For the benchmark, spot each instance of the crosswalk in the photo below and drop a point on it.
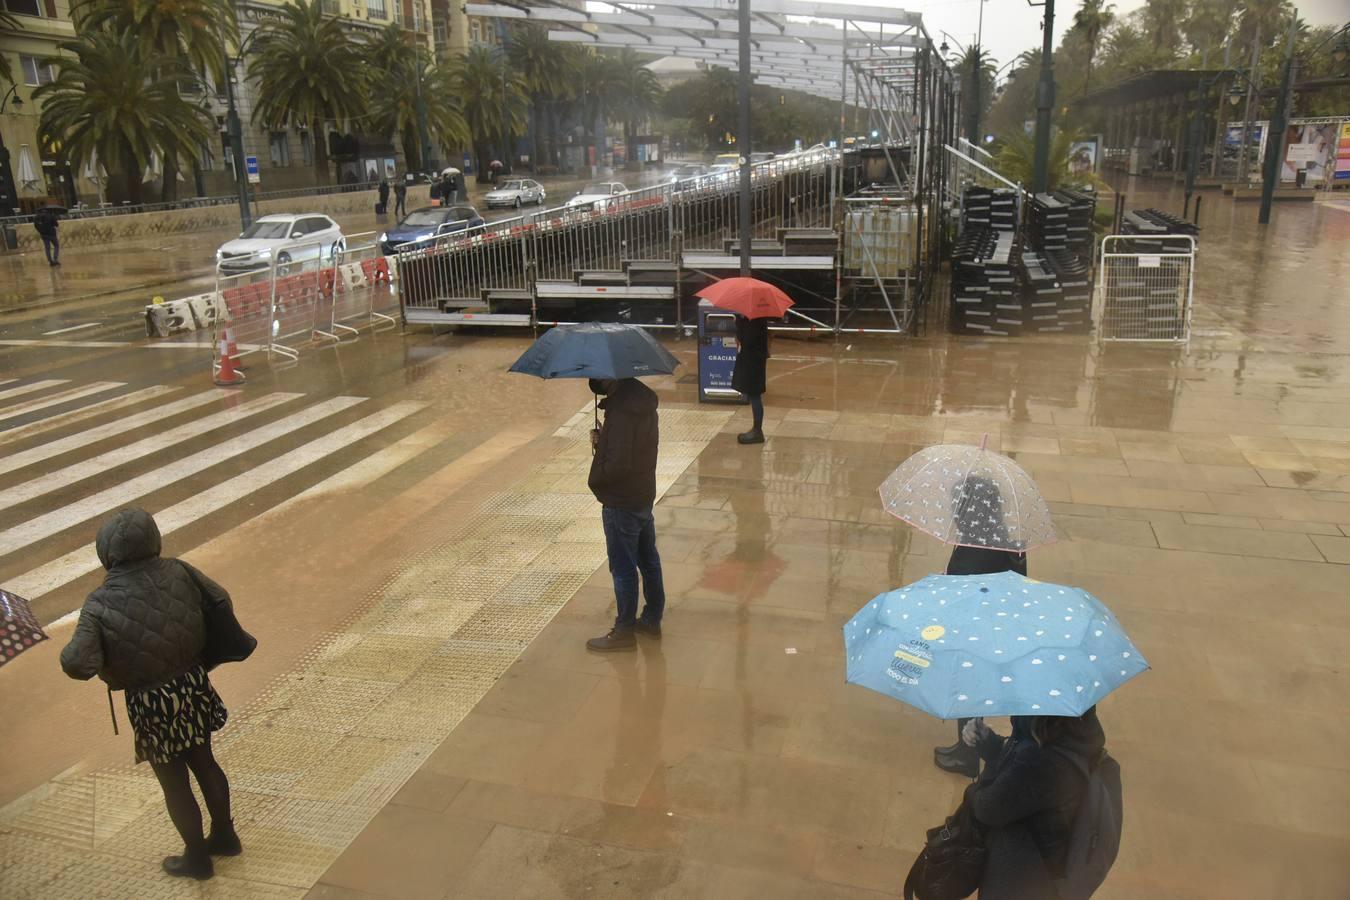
(70, 454)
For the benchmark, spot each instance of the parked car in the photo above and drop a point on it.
(596, 195)
(281, 239)
(429, 221)
(516, 192)
(760, 156)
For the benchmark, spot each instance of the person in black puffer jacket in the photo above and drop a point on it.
(623, 479)
(143, 631)
(1027, 799)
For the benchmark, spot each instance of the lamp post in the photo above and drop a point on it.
(743, 143)
(9, 194)
(1045, 101)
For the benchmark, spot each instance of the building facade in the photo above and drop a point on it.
(37, 28)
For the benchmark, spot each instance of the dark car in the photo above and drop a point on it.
(429, 221)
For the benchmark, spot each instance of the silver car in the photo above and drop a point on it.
(516, 192)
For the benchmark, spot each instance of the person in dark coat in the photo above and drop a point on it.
(1028, 799)
(977, 502)
(751, 372)
(400, 198)
(46, 223)
(623, 479)
(436, 189)
(384, 196)
(143, 631)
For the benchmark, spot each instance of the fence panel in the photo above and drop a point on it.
(456, 270)
(246, 311)
(1145, 296)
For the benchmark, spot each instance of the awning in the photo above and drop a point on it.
(1156, 85)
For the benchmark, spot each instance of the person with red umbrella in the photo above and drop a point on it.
(755, 303)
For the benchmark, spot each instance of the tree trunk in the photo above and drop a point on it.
(628, 132)
(554, 139)
(320, 139)
(480, 150)
(168, 191)
(536, 116)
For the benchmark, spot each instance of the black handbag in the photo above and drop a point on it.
(951, 863)
(226, 639)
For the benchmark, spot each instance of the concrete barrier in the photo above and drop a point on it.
(187, 314)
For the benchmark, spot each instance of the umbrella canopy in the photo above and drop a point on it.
(990, 645)
(28, 174)
(450, 170)
(602, 350)
(19, 628)
(967, 495)
(750, 297)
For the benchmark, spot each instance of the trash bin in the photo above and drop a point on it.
(1300, 178)
(11, 238)
(716, 355)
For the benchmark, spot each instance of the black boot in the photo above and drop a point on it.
(964, 761)
(194, 863)
(224, 840)
(753, 436)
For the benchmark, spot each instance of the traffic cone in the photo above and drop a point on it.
(228, 374)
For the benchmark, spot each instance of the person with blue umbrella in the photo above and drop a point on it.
(623, 465)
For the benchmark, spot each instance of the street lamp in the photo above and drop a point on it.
(9, 194)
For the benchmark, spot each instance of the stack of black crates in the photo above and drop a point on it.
(1147, 296)
(1039, 284)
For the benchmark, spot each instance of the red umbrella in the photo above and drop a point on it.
(19, 628)
(750, 297)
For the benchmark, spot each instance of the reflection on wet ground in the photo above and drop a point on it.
(1203, 493)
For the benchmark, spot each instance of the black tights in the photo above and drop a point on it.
(182, 805)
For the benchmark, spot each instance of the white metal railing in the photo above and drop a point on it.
(1145, 296)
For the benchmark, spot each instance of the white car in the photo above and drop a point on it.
(597, 194)
(282, 239)
(516, 192)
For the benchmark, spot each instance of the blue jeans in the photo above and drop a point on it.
(51, 246)
(630, 540)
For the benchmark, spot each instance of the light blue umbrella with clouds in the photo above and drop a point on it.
(990, 645)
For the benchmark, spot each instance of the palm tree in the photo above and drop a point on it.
(597, 80)
(190, 33)
(547, 69)
(637, 94)
(111, 98)
(1208, 24)
(493, 100)
(309, 70)
(1017, 152)
(1164, 19)
(1092, 18)
(402, 77)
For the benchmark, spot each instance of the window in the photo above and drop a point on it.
(35, 72)
(376, 9)
(25, 7)
(306, 148)
(475, 32)
(280, 148)
(205, 158)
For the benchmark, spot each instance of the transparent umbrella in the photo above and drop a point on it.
(971, 496)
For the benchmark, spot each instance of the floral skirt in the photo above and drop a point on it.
(171, 718)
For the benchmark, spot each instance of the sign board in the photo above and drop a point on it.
(251, 167)
(1343, 154)
(1302, 153)
(1150, 262)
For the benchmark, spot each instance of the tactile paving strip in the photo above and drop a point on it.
(322, 748)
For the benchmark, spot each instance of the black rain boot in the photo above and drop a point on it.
(965, 761)
(753, 436)
(224, 841)
(194, 863)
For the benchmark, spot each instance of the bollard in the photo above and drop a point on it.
(1196, 220)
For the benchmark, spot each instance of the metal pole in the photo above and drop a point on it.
(236, 133)
(1244, 169)
(1193, 149)
(1045, 103)
(423, 133)
(977, 65)
(9, 192)
(743, 142)
(1275, 142)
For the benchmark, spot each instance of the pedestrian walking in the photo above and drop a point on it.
(979, 498)
(401, 199)
(436, 189)
(152, 629)
(384, 197)
(46, 223)
(1029, 801)
(751, 372)
(623, 479)
(452, 188)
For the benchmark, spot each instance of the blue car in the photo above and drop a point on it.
(429, 221)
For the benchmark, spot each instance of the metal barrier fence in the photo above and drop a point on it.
(1145, 296)
(603, 235)
(792, 191)
(458, 269)
(357, 291)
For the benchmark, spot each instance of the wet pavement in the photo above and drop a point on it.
(422, 719)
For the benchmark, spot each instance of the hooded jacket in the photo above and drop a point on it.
(623, 470)
(146, 623)
(1028, 798)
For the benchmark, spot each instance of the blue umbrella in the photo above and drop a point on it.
(602, 350)
(990, 645)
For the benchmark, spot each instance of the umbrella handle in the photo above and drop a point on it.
(595, 410)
